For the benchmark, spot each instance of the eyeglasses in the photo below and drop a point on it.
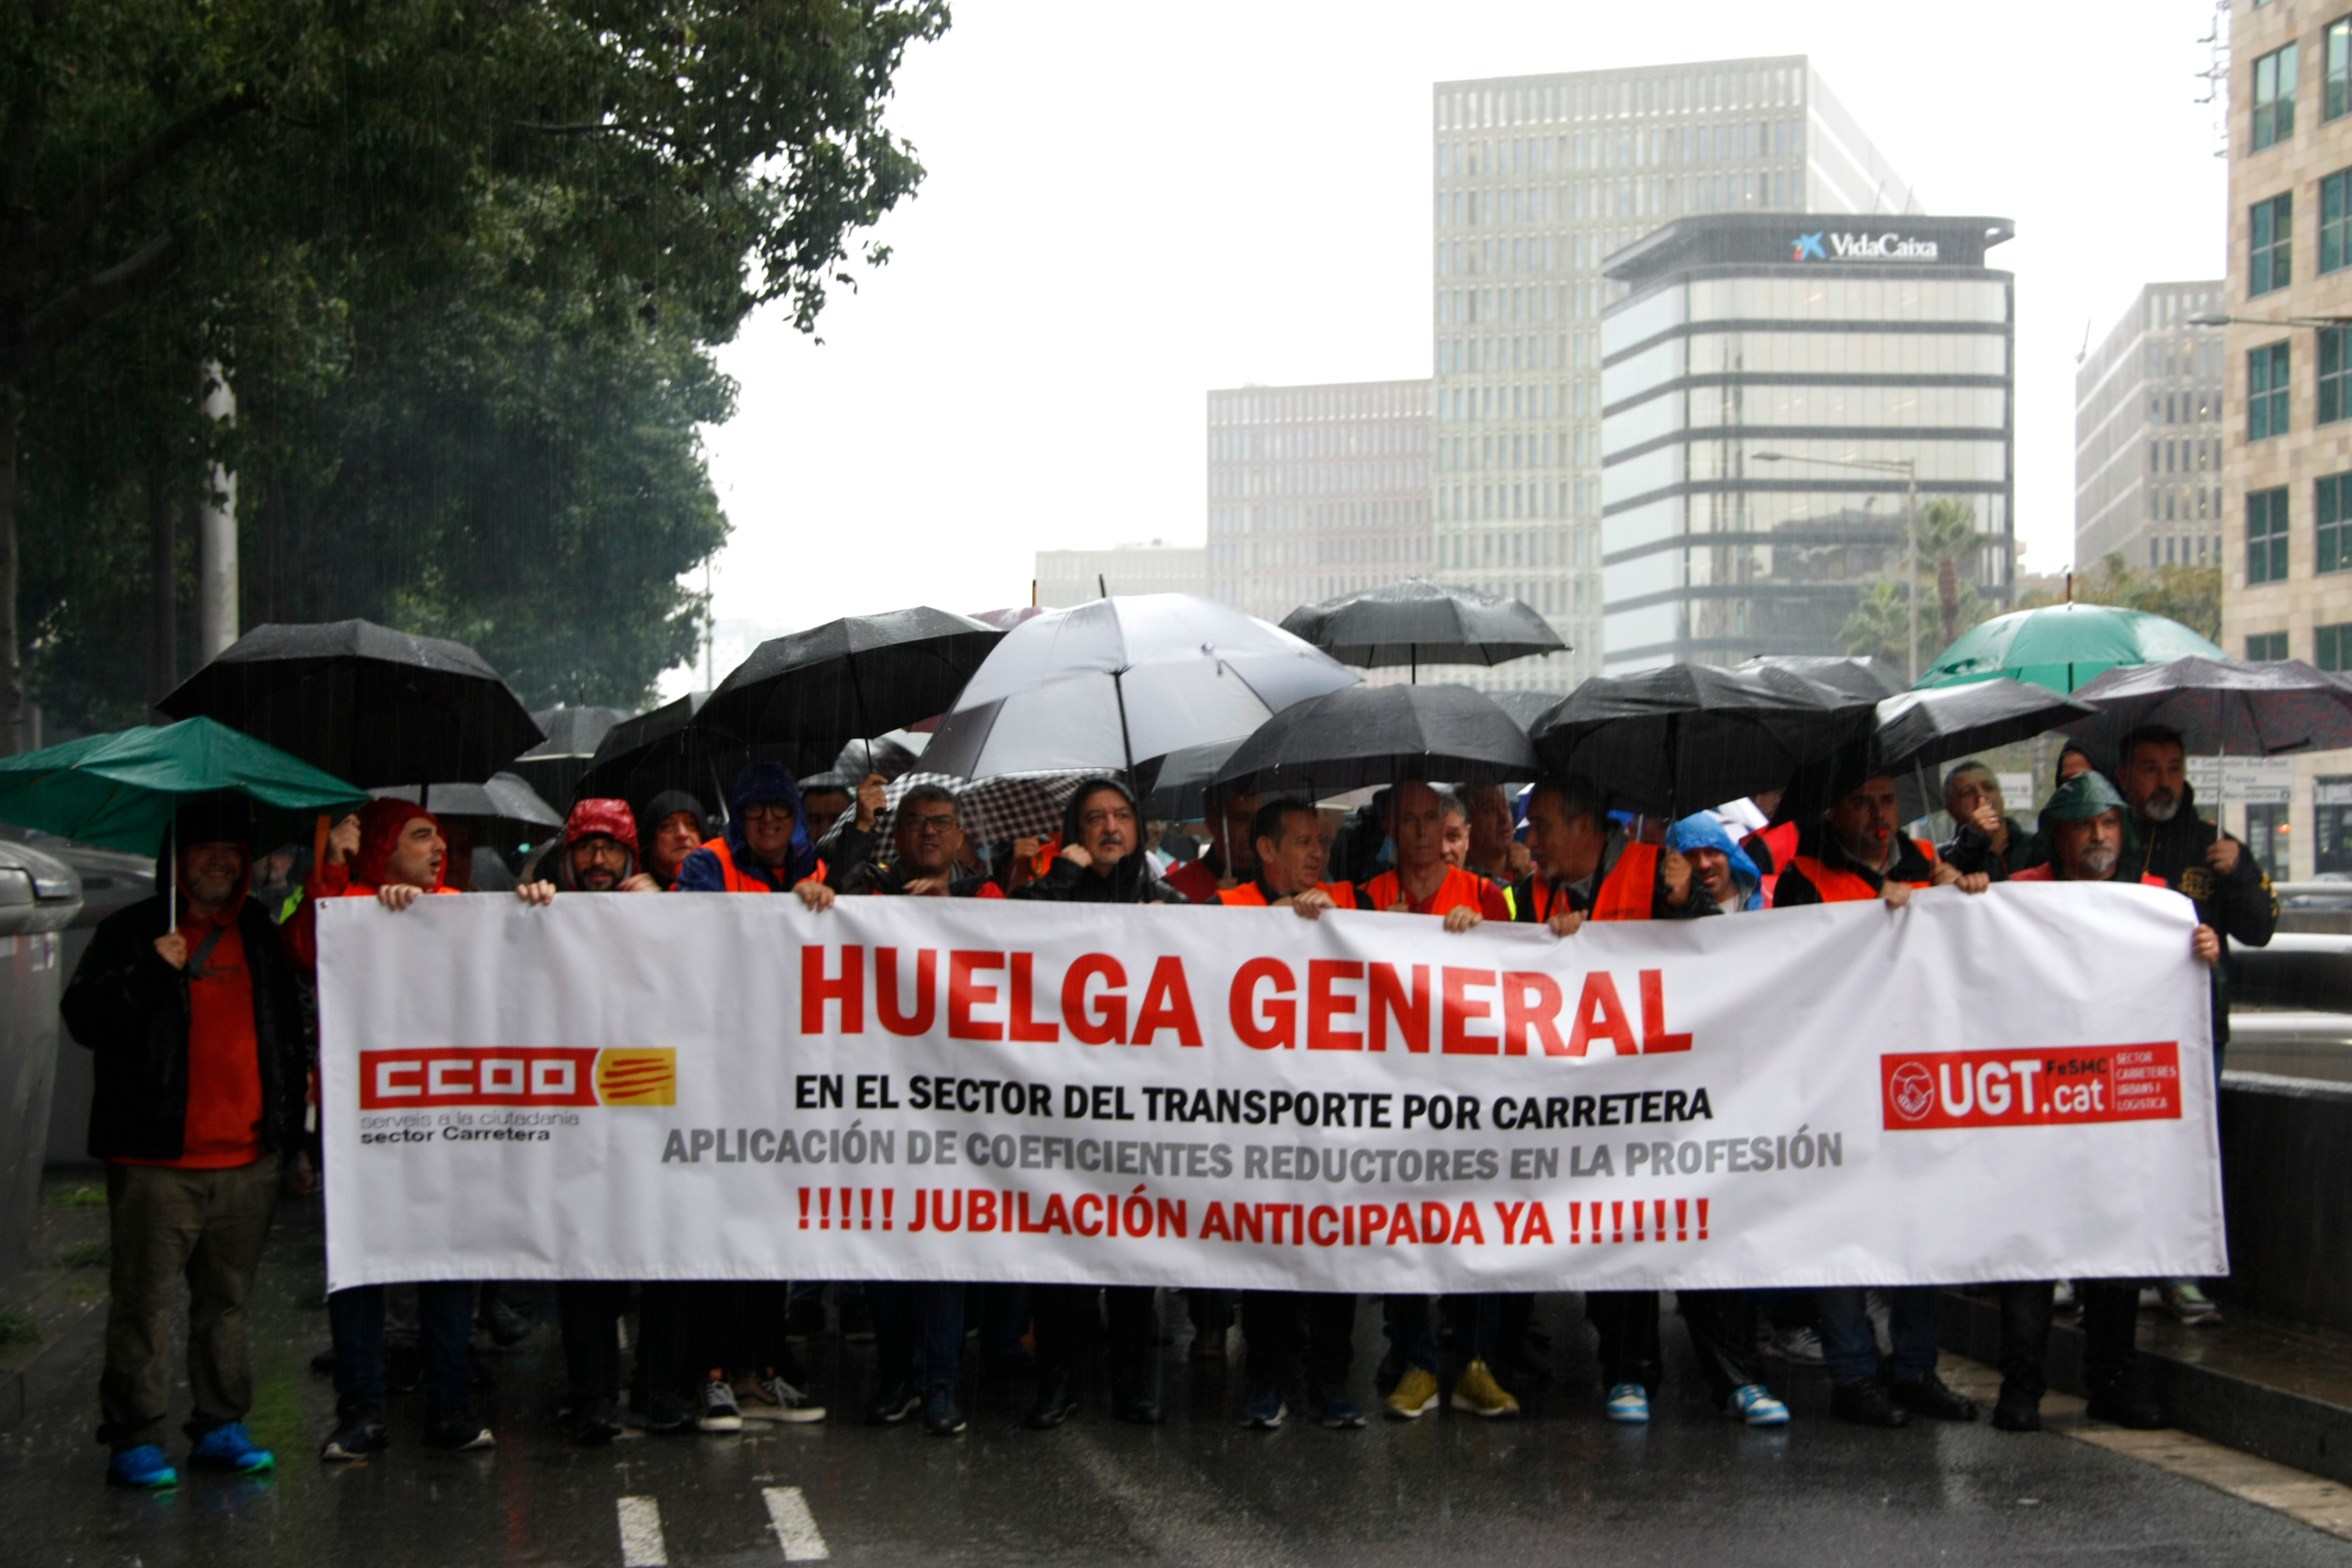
(767, 811)
(944, 821)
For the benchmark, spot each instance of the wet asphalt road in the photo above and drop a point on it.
(1557, 1486)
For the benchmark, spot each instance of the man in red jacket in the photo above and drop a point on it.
(393, 852)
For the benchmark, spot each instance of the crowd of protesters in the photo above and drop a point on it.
(205, 1040)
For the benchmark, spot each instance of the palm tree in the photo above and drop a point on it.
(1949, 546)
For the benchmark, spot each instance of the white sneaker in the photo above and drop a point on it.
(720, 1411)
(1802, 1346)
(773, 1399)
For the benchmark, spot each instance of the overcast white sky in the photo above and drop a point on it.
(1128, 205)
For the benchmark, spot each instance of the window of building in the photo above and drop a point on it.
(2331, 800)
(2335, 375)
(2267, 388)
(2339, 69)
(2332, 523)
(2270, 246)
(2266, 646)
(2266, 836)
(2336, 221)
(2331, 647)
(2274, 97)
(2266, 536)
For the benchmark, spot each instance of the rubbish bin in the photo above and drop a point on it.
(110, 879)
(39, 896)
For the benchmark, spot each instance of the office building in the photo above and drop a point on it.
(2287, 474)
(1538, 178)
(2148, 434)
(1316, 490)
(1067, 577)
(1773, 385)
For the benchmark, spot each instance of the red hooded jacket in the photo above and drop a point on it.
(381, 822)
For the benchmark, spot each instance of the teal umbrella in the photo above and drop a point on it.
(2063, 647)
(120, 790)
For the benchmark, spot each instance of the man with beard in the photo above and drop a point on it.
(1101, 862)
(2086, 831)
(2167, 839)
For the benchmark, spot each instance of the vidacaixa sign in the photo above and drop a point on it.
(1830, 245)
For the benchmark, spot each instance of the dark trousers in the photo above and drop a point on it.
(1288, 1328)
(739, 1324)
(1481, 1314)
(1849, 1349)
(445, 1321)
(591, 1312)
(2110, 1321)
(1722, 1325)
(918, 1332)
(163, 1224)
(1067, 1326)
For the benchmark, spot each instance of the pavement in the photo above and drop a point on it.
(1558, 1484)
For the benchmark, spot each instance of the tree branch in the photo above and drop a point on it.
(64, 231)
(86, 303)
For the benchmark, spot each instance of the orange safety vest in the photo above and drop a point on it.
(1460, 891)
(1780, 843)
(736, 881)
(1248, 897)
(2047, 872)
(1625, 894)
(1838, 885)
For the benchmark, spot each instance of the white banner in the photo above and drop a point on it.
(2017, 1085)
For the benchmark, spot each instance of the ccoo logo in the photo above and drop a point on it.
(1912, 1091)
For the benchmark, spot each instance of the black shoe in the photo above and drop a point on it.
(942, 1416)
(595, 1422)
(894, 1404)
(507, 1327)
(357, 1435)
(2125, 1406)
(2017, 1414)
(1866, 1404)
(1057, 1401)
(857, 1320)
(455, 1429)
(669, 1414)
(1929, 1395)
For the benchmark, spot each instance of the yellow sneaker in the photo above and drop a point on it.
(1414, 1396)
(1477, 1392)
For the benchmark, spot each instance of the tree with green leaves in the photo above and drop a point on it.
(1951, 550)
(304, 191)
(2189, 594)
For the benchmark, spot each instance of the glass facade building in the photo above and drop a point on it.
(1769, 384)
(1536, 179)
(2148, 434)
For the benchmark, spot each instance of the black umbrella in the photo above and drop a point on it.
(1525, 707)
(1378, 735)
(814, 691)
(639, 758)
(553, 767)
(364, 703)
(1176, 786)
(1691, 735)
(2221, 706)
(1418, 622)
(1921, 729)
(1859, 676)
(505, 814)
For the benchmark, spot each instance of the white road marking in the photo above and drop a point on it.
(641, 1534)
(796, 1529)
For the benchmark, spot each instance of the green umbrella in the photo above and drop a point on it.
(2063, 647)
(120, 790)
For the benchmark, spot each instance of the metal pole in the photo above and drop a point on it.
(1911, 537)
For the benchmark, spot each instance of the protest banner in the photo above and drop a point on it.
(2016, 1085)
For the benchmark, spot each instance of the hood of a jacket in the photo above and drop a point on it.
(591, 819)
(381, 822)
(1129, 873)
(770, 782)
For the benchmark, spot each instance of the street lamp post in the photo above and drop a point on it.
(1909, 469)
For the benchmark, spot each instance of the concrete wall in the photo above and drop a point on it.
(2286, 1171)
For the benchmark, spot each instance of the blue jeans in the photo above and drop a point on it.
(445, 1321)
(917, 1332)
(1849, 1352)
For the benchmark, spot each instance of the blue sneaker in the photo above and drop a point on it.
(1628, 1403)
(1265, 1412)
(229, 1446)
(1755, 1405)
(142, 1467)
(1340, 1410)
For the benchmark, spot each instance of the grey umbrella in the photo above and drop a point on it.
(505, 814)
(1378, 735)
(1859, 676)
(555, 767)
(1107, 684)
(2221, 706)
(1418, 622)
